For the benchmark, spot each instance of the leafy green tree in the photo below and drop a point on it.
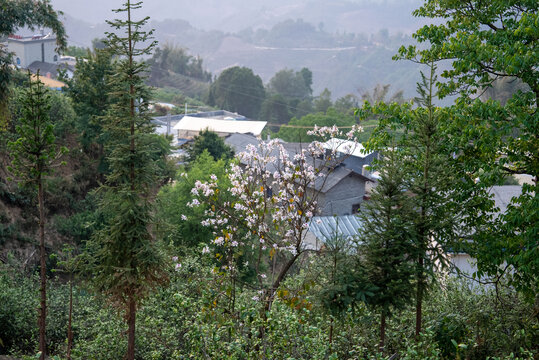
(238, 89)
(211, 142)
(62, 114)
(303, 108)
(127, 263)
(323, 102)
(89, 92)
(275, 110)
(345, 285)
(34, 153)
(60, 110)
(76, 51)
(307, 76)
(386, 241)
(488, 42)
(17, 14)
(347, 104)
(175, 59)
(186, 231)
(292, 85)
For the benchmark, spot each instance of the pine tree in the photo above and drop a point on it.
(429, 177)
(386, 247)
(33, 154)
(127, 262)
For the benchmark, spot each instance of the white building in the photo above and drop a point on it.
(28, 49)
(189, 126)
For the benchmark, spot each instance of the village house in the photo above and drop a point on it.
(189, 126)
(339, 193)
(28, 49)
(38, 53)
(170, 124)
(347, 227)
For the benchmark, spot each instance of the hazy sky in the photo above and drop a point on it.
(235, 15)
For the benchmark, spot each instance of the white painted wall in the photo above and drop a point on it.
(464, 262)
(29, 51)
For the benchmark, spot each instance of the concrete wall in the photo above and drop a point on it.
(29, 51)
(340, 199)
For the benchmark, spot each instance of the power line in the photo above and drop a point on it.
(312, 127)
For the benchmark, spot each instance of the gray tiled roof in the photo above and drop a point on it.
(45, 68)
(239, 142)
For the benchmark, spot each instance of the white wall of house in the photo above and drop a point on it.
(464, 263)
(28, 51)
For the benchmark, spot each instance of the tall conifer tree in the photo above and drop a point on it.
(386, 246)
(429, 177)
(127, 262)
(33, 154)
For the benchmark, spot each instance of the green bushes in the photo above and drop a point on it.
(18, 312)
(193, 317)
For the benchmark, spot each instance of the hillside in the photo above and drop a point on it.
(342, 62)
(351, 16)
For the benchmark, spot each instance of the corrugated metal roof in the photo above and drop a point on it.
(346, 147)
(190, 123)
(326, 227)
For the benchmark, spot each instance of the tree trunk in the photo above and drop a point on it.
(131, 317)
(43, 272)
(419, 300)
(331, 334)
(382, 331)
(131, 320)
(269, 297)
(69, 327)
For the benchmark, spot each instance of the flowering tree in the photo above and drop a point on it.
(268, 205)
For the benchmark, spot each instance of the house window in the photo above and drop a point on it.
(356, 208)
(55, 58)
(18, 61)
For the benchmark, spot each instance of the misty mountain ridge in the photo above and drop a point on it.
(357, 16)
(342, 61)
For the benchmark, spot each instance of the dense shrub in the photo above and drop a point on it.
(200, 315)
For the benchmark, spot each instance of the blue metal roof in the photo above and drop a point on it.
(326, 227)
